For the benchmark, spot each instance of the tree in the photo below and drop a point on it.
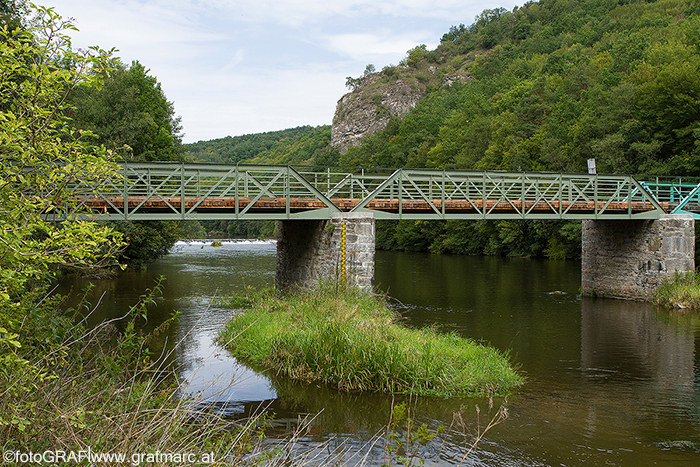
(131, 109)
(454, 33)
(131, 114)
(416, 54)
(12, 13)
(41, 156)
(354, 83)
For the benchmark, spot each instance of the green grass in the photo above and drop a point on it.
(352, 341)
(680, 291)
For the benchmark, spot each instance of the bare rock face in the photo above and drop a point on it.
(449, 80)
(369, 108)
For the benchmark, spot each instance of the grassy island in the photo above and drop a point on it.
(354, 342)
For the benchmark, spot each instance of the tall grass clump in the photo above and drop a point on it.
(353, 341)
(65, 388)
(680, 291)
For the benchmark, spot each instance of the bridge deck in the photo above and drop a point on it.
(231, 204)
(200, 191)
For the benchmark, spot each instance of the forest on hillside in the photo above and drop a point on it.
(553, 83)
(292, 146)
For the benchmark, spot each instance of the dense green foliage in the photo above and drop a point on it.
(352, 341)
(553, 83)
(13, 13)
(63, 387)
(240, 229)
(587, 79)
(131, 115)
(130, 109)
(293, 146)
(146, 241)
(39, 157)
(554, 239)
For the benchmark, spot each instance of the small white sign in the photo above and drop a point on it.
(591, 166)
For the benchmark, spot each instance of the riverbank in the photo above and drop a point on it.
(73, 395)
(354, 342)
(680, 291)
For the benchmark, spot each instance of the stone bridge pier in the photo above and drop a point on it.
(340, 250)
(625, 259)
(629, 258)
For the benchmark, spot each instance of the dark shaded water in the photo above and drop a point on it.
(608, 382)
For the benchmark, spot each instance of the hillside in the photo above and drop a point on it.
(292, 146)
(552, 84)
(543, 87)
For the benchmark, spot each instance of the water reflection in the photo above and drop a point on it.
(625, 340)
(202, 274)
(609, 382)
(644, 366)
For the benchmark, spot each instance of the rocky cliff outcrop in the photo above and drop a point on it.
(369, 108)
(380, 97)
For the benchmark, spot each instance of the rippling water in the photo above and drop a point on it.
(608, 382)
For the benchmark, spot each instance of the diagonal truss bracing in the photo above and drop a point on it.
(681, 194)
(422, 194)
(203, 191)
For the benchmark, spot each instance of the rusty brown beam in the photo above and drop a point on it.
(109, 204)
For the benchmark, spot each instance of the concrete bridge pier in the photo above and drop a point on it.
(629, 258)
(335, 251)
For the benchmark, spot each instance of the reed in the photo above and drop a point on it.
(353, 341)
(99, 392)
(680, 291)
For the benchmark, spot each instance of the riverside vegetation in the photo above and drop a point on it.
(353, 341)
(74, 389)
(554, 83)
(680, 291)
(63, 386)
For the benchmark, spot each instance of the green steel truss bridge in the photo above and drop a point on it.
(202, 191)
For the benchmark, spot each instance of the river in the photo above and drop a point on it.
(609, 382)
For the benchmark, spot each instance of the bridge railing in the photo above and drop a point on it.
(504, 195)
(202, 191)
(346, 183)
(680, 194)
(672, 189)
(179, 191)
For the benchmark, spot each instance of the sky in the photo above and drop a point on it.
(235, 67)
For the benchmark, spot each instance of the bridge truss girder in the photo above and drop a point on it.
(177, 191)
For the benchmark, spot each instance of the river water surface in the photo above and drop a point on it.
(609, 382)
